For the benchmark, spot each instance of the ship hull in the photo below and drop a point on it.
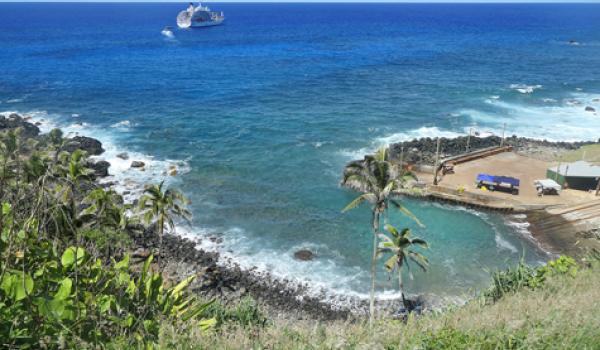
(206, 24)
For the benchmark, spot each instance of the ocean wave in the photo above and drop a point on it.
(128, 181)
(124, 124)
(320, 144)
(567, 121)
(325, 277)
(525, 89)
(384, 141)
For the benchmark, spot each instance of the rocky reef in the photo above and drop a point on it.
(422, 151)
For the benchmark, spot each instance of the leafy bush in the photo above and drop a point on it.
(245, 313)
(72, 299)
(524, 276)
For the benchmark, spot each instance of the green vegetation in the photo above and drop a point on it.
(378, 177)
(590, 153)
(160, 207)
(559, 313)
(65, 275)
(400, 246)
(66, 279)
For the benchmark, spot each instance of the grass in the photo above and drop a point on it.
(590, 153)
(562, 314)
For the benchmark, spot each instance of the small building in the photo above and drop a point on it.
(579, 175)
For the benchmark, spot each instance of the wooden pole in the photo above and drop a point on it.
(598, 187)
(503, 134)
(437, 159)
(469, 140)
(402, 159)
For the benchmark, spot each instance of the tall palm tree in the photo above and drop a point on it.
(161, 206)
(400, 246)
(377, 178)
(106, 216)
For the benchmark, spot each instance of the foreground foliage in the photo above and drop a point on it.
(560, 313)
(48, 298)
(65, 277)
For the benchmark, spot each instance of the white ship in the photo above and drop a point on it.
(199, 16)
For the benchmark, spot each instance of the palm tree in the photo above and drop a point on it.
(107, 217)
(400, 245)
(377, 178)
(161, 207)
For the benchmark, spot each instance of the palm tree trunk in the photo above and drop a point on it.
(401, 285)
(161, 224)
(373, 267)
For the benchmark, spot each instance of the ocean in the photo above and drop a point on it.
(260, 115)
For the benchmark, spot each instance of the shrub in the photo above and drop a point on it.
(49, 299)
(524, 276)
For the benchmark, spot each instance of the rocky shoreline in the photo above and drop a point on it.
(224, 280)
(422, 151)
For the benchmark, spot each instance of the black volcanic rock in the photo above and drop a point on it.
(304, 255)
(100, 168)
(92, 146)
(137, 164)
(16, 121)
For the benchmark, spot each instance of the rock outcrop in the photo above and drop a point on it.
(100, 168)
(14, 121)
(304, 255)
(137, 164)
(92, 146)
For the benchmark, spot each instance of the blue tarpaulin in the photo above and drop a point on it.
(498, 179)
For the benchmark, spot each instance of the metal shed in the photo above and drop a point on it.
(579, 175)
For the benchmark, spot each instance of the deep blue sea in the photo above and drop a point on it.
(260, 115)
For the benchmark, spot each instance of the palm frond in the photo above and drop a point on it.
(407, 212)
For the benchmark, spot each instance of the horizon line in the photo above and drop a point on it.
(449, 2)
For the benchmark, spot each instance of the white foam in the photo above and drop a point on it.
(431, 132)
(167, 33)
(14, 100)
(525, 89)
(326, 277)
(504, 244)
(129, 181)
(124, 124)
(567, 121)
(320, 144)
(384, 141)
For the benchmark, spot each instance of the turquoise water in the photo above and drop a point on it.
(260, 115)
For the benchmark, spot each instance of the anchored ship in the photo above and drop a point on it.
(199, 16)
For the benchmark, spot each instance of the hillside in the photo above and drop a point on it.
(561, 314)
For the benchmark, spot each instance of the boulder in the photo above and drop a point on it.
(590, 109)
(100, 168)
(123, 155)
(92, 146)
(16, 121)
(304, 255)
(137, 164)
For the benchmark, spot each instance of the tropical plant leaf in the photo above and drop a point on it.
(64, 289)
